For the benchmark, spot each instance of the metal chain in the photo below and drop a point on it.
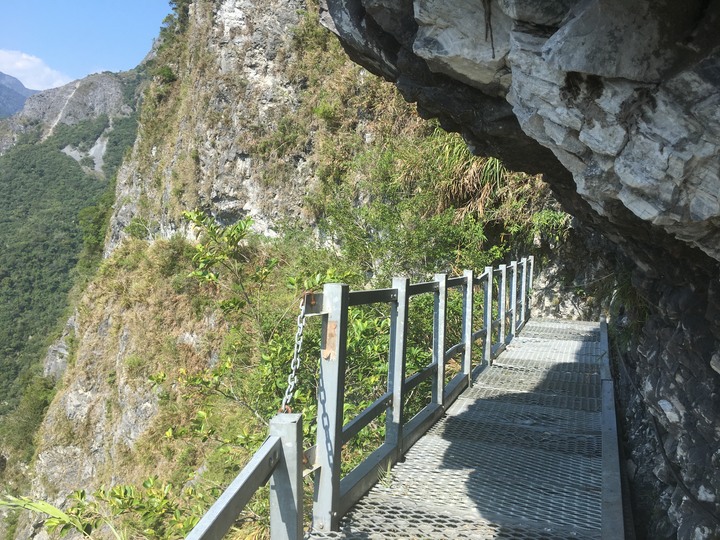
(295, 363)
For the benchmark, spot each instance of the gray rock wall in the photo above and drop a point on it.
(240, 88)
(617, 104)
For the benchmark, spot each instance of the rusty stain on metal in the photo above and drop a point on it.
(328, 353)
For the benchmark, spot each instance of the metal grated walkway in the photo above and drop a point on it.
(528, 452)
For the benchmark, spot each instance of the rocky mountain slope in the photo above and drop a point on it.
(110, 94)
(243, 51)
(12, 95)
(616, 103)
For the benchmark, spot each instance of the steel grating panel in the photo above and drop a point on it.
(557, 374)
(581, 444)
(569, 335)
(534, 398)
(497, 480)
(562, 324)
(545, 382)
(381, 519)
(518, 456)
(577, 351)
(526, 363)
(562, 330)
(500, 484)
(547, 418)
(558, 430)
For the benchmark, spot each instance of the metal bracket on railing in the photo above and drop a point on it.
(313, 304)
(309, 461)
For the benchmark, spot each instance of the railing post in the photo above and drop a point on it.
(467, 324)
(502, 301)
(523, 292)
(531, 262)
(513, 301)
(396, 367)
(440, 316)
(286, 487)
(331, 397)
(487, 308)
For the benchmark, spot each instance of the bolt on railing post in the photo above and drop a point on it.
(523, 292)
(439, 319)
(330, 406)
(286, 487)
(487, 308)
(467, 324)
(502, 301)
(513, 301)
(396, 367)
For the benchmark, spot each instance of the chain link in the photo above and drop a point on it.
(295, 363)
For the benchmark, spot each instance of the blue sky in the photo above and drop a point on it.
(48, 43)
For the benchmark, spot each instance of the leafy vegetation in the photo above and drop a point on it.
(155, 511)
(45, 192)
(178, 20)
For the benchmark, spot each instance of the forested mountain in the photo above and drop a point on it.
(57, 176)
(53, 225)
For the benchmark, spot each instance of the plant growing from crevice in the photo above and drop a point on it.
(226, 259)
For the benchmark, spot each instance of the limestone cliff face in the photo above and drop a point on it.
(239, 90)
(617, 103)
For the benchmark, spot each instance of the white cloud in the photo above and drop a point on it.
(31, 70)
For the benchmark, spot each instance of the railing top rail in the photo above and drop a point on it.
(425, 287)
(359, 298)
(221, 516)
(477, 280)
(314, 301)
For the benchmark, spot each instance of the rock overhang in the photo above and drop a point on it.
(622, 98)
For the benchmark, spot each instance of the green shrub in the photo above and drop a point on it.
(166, 75)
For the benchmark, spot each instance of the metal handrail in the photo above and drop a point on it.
(333, 494)
(280, 457)
(279, 460)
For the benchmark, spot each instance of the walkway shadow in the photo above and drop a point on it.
(528, 460)
(516, 464)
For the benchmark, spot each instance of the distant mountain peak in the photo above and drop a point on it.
(12, 95)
